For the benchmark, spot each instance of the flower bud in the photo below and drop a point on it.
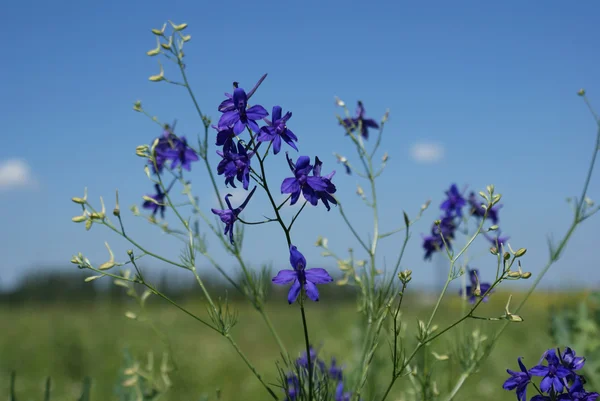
(186, 38)
(514, 318)
(493, 228)
(137, 106)
(179, 27)
(130, 252)
(159, 32)
(494, 250)
(581, 92)
(339, 102)
(88, 225)
(80, 201)
(385, 157)
(526, 275)
(92, 278)
(405, 276)
(506, 255)
(520, 252)
(514, 274)
(490, 188)
(79, 219)
(160, 76)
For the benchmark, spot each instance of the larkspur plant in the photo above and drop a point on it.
(244, 135)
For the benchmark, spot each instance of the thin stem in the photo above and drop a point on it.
(307, 342)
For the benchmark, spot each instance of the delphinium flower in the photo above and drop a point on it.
(230, 215)
(277, 131)
(441, 236)
(182, 154)
(312, 187)
(335, 371)
(225, 137)
(174, 149)
(325, 196)
(472, 290)
(519, 381)
(559, 379)
(292, 386)
(340, 395)
(158, 205)
(228, 105)
(478, 210)
(235, 165)
(553, 373)
(359, 122)
(497, 240)
(240, 116)
(454, 202)
(302, 361)
(301, 278)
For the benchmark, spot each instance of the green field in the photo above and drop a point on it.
(70, 341)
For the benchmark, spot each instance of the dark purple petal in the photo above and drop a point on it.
(290, 185)
(229, 118)
(256, 112)
(276, 115)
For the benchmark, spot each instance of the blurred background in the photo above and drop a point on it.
(479, 93)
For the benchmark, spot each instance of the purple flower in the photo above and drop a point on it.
(340, 395)
(235, 165)
(301, 278)
(435, 242)
(159, 205)
(228, 105)
(359, 122)
(454, 202)
(229, 216)
(335, 371)
(182, 154)
(484, 287)
(240, 117)
(519, 381)
(312, 187)
(325, 195)
(293, 386)
(302, 361)
(278, 130)
(577, 393)
(225, 138)
(570, 361)
(554, 374)
(478, 210)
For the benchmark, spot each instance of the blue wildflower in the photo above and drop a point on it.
(359, 122)
(301, 278)
(554, 374)
(182, 154)
(229, 216)
(235, 165)
(312, 187)
(454, 202)
(335, 371)
(277, 131)
(518, 381)
(241, 117)
(340, 395)
(577, 393)
(228, 104)
(225, 137)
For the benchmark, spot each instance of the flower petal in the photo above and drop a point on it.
(311, 291)
(318, 276)
(297, 260)
(294, 291)
(285, 277)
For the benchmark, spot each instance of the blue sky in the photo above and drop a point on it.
(491, 85)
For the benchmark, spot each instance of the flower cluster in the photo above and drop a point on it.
(443, 230)
(236, 153)
(560, 378)
(328, 379)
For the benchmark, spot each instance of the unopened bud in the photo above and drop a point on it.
(79, 219)
(137, 105)
(514, 318)
(490, 188)
(88, 224)
(520, 252)
(159, 32)
(179, 27)
(130, 252)
(386, 116)
(493, 228)
(514, 274)
(494, 250)
(160, 76)
(506, 255)
(186, 38)
(581, 92)
(405, 276)
(360, 191)
(339, 102)
(142, 151)
(167, 46)
(385, 157)
(526, 275)
(80, 201)
(111, 262)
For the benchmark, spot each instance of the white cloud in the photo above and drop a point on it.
(427, 152)
(15, 173)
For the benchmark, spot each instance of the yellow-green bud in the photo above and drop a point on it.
(137, 106)
(130, 252)
(80, 201)
(526, 275)
(186, 38)
(405, 276)
(88, 224)
(514, 274)
(159, 32)
(179, 27)
(581, 92)
(493, 228)
(514, 318)
(160, 76)
(385, 157)
(490, 188)
(79, 219)
(117, 209)
(520, 252)
(494, 250)
(506, 255)
(91, 278)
